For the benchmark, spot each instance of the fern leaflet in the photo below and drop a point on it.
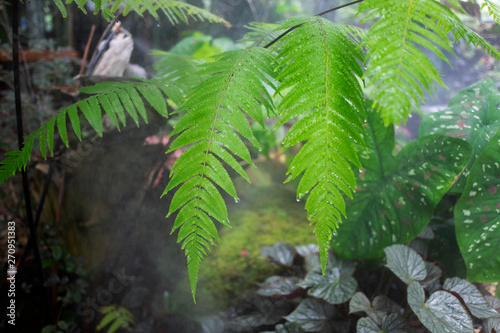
(320, 82)
(117, 317)
(211, 127)
(174, 10)
(493, 9)
(113, 97)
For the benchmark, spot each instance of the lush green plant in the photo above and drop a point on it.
(315, 68)
(117, 317)
(398, 195)
(336, 302)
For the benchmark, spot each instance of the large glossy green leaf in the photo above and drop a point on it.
(472, 115)
(477, 216)
(442, 313)
(396, 196)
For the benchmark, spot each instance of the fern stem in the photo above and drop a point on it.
(320, 14)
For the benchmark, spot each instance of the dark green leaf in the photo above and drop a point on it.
(396, 196)
(313, 315)
(477, 216)
(405, 263)
(281, 253)
(472, 115)
(471, 296)
(442, 312)
(336, 286)
(279, 286)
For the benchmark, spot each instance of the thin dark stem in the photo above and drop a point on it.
(320, 14)
(20, 131)
(339, 7)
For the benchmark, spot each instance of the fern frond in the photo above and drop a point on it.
(174, 10)
(461, 31)
(117, 317)
(177, 68)
(113, 97)
(398, 71)
(320, 82)
(493, 9)
(212, 127)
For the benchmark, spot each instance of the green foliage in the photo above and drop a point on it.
(212, 127)
(473, 116)
(175, 11)
(477, 216)
(449, 307)
(493, 9)
(117, 317)
(397, 195)
(315, 69)
(319, 79)
(113, 97)
(398, 70)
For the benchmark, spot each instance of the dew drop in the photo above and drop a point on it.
(298, 199)
(236, 200)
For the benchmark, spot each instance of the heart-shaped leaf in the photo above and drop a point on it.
(471, 296)
(472, 115)
(396, 196)
(279, 286)
(313, 315)
(433, 274)
(336, 286)
(477, 216)
(380, 308)
(442, 313)
(281, 253)
(359, 303)
(405, 263)
(392, 323)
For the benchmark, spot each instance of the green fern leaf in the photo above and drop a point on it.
(175, 11)
(493, 9)
(398, 70)
(320, 83)
(50, 134)
(212, 127)
(110, 97)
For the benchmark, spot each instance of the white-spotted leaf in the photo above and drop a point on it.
(396, 196)
(477, 216)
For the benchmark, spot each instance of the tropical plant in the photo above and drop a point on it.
(315, 68)
(116, 317)
(351, 296)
